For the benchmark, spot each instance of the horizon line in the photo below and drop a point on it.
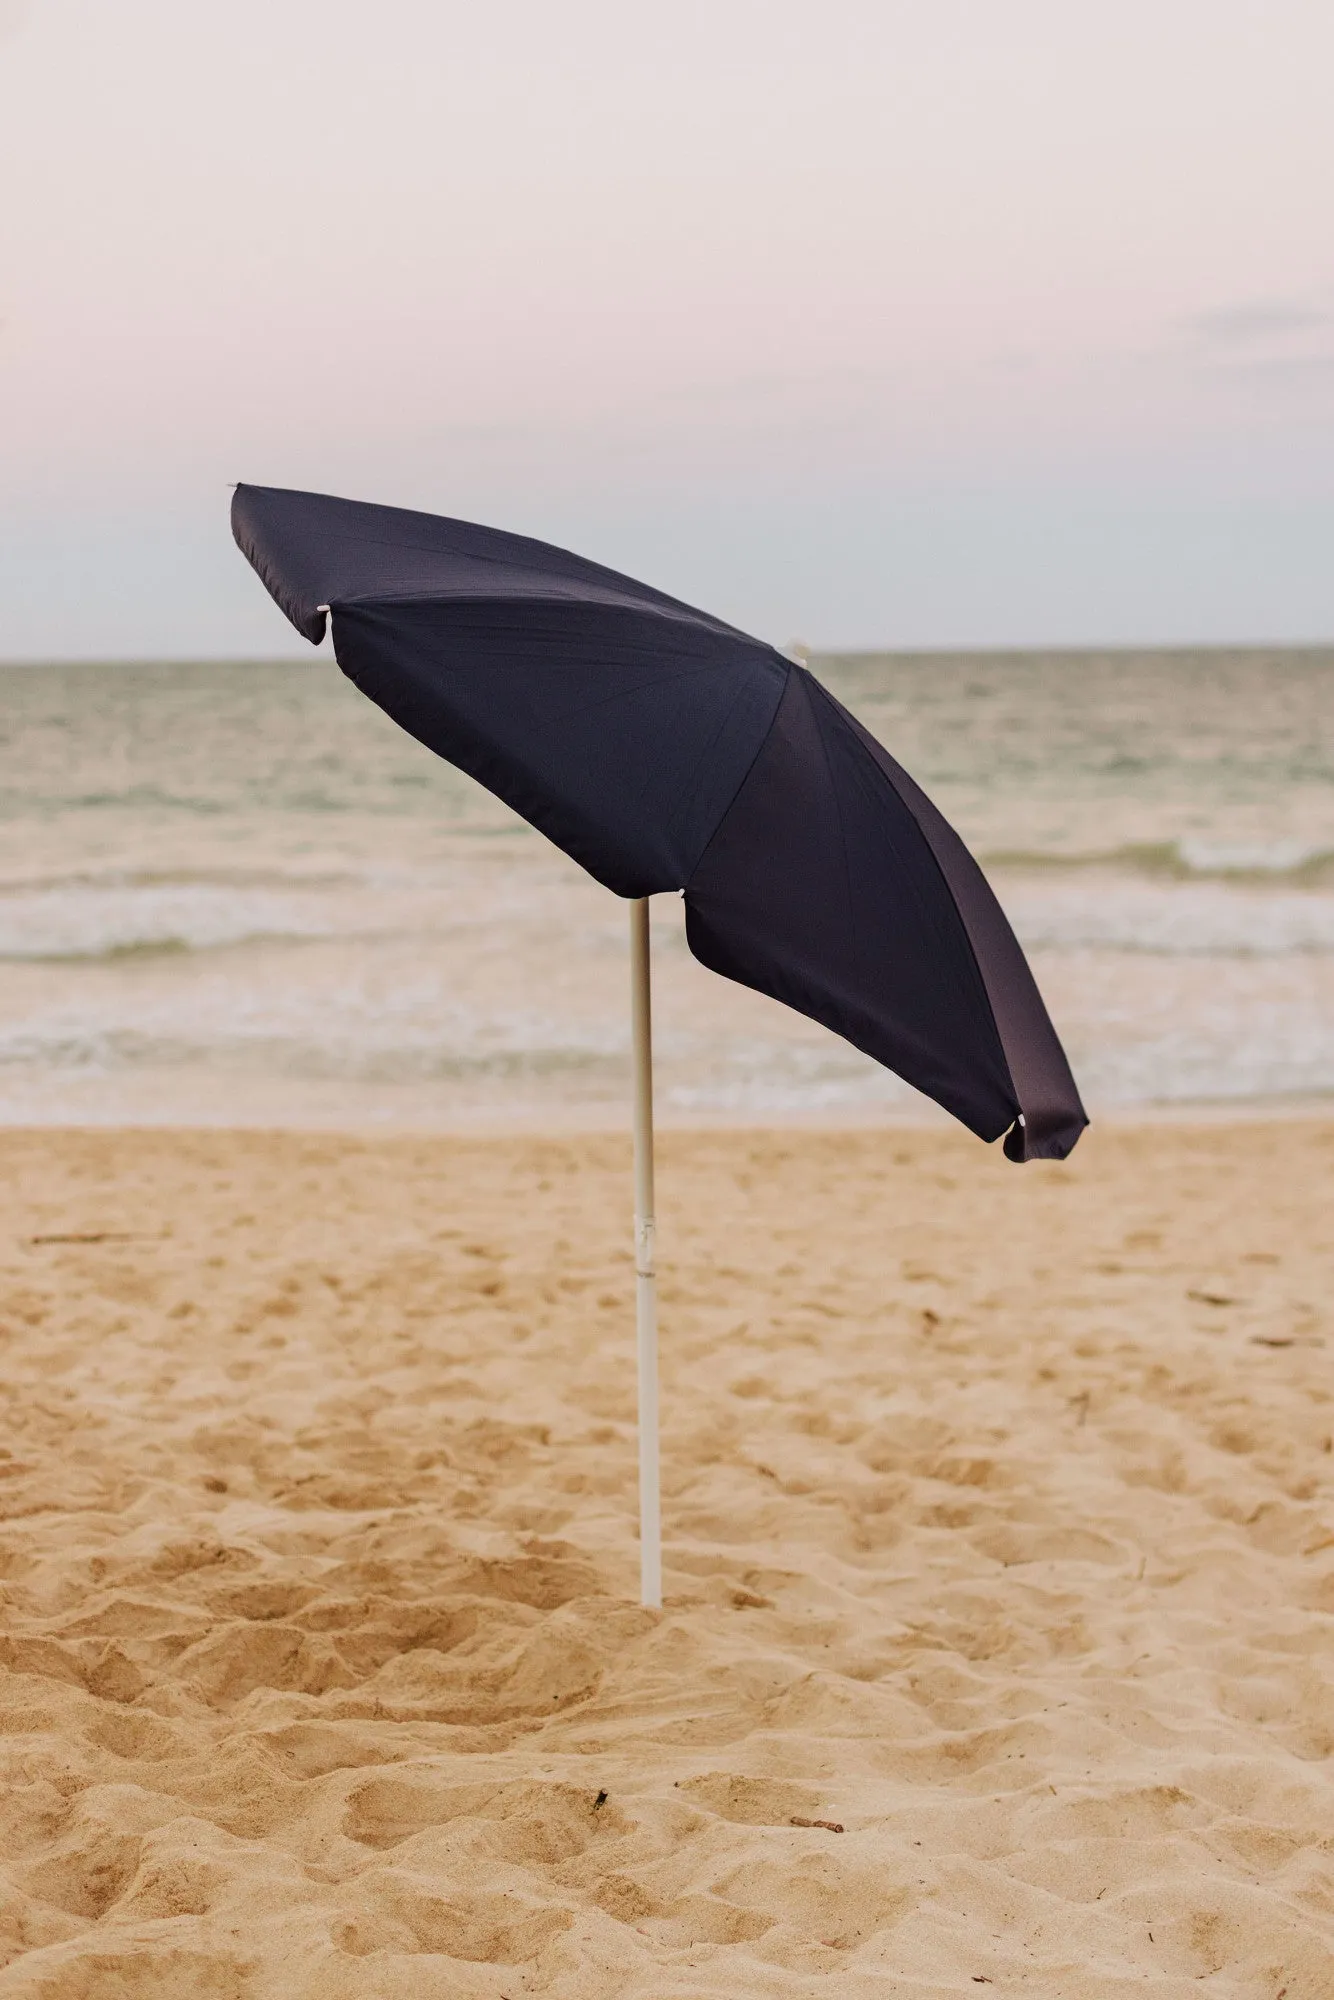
(793, 649)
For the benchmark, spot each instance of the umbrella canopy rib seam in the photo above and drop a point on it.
(689, 790)
(808, 682)
(532, 600)
(844, 723)
(741, 782)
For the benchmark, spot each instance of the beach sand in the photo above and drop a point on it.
(999, 1513)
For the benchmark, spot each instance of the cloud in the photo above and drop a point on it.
(1266, 323)
(1284, 371)
(1279, 344)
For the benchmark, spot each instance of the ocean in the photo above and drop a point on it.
(237, 894)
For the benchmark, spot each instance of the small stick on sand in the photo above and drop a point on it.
(829, 1825)
(91, 1236)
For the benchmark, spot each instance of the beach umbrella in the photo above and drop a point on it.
(665, 750)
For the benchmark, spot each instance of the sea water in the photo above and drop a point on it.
(240, 894)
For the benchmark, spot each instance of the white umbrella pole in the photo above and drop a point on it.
(646, 1282)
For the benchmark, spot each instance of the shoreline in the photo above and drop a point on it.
(1208, 1113)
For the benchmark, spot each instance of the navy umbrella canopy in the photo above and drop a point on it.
(664, 750)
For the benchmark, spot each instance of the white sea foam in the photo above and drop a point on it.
(88, 922)
(1253, 857)
(1186, 920)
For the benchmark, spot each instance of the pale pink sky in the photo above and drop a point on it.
(972, 321)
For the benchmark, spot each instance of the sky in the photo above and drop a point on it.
(872, 323)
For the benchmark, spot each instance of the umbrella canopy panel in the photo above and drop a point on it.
(664, 750)
(626, 757)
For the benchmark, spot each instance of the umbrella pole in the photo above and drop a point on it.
(646, 1282)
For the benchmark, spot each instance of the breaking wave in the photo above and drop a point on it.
(1277, 864)
(88, 921)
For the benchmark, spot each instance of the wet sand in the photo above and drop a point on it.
(999, 1509)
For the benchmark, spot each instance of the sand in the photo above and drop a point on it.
(1000, 1534)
